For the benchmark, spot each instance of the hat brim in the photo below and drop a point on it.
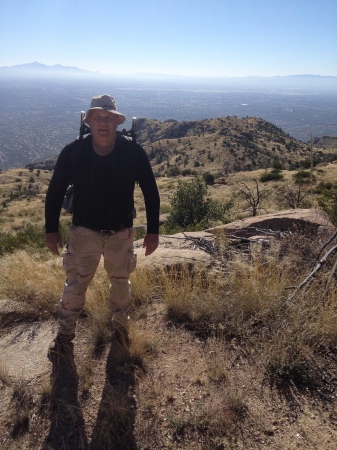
(118, 116)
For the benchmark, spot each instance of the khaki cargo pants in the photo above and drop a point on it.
(80, 262)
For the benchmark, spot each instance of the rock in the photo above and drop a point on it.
(195, 248)
(313, 221)
(12, 311)
(176, 250)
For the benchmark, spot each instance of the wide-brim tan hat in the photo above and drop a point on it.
(107, 103)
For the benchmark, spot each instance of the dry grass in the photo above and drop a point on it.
(242, 307)
(32, 279)
(249, 303)
(247, 298)
(21, 212)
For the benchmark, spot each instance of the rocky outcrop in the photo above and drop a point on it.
(190, 249)
(312, 221)
(195, 248)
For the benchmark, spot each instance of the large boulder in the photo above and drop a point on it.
(194, 249)
(309, 221)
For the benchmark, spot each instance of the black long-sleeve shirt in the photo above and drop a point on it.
(103, 186)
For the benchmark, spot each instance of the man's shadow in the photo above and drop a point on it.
(67, 429)
(114, 428)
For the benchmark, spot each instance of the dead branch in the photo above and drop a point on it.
(332, 273)
(325, 245)
(309, 279)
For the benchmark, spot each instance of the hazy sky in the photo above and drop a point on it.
(186, 37)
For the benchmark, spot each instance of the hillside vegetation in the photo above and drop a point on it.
(326, 142)
(224, 145)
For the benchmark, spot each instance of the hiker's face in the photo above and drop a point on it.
(102, 124)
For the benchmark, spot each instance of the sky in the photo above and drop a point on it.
(175, 37)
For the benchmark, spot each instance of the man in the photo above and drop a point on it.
(103, 168)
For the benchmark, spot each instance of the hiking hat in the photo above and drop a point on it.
(107, 103)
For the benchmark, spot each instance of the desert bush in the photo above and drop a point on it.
(173, 171)
(327, 199)
(186, 172)
(191, 207)
(273, 175)
(208, 178)
(304, 177)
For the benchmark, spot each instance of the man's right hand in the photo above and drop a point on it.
(53, 241)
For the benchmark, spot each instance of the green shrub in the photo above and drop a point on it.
(208, 178)
(173, 171)
(186, 172)
(273, 175)
(31, 236)
(303, 177)
(191, 207)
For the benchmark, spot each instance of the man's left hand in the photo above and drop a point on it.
(150, 243)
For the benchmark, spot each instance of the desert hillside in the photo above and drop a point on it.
(220, 146)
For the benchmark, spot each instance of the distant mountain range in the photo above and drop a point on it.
(38, 69)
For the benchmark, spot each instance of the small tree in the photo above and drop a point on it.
(191, 207)
(253, 197)
(293, 196)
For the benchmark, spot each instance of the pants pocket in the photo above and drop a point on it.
(70, 265)
(132, 261)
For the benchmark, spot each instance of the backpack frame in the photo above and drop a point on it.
(67, 204)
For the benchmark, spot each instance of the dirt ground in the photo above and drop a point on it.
(183, 393)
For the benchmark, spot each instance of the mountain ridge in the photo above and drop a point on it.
(219, 146)
(36, 66)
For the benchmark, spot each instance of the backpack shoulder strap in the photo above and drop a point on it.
(132, 147)
(78, 145)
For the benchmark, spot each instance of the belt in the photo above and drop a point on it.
(109, 231)
(121, 227)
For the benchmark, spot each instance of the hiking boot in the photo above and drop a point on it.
(61, 344)
(120, 335)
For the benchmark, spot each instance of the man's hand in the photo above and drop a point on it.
(150, 243)
(53, 241)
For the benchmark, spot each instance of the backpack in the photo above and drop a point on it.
(67, 204)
